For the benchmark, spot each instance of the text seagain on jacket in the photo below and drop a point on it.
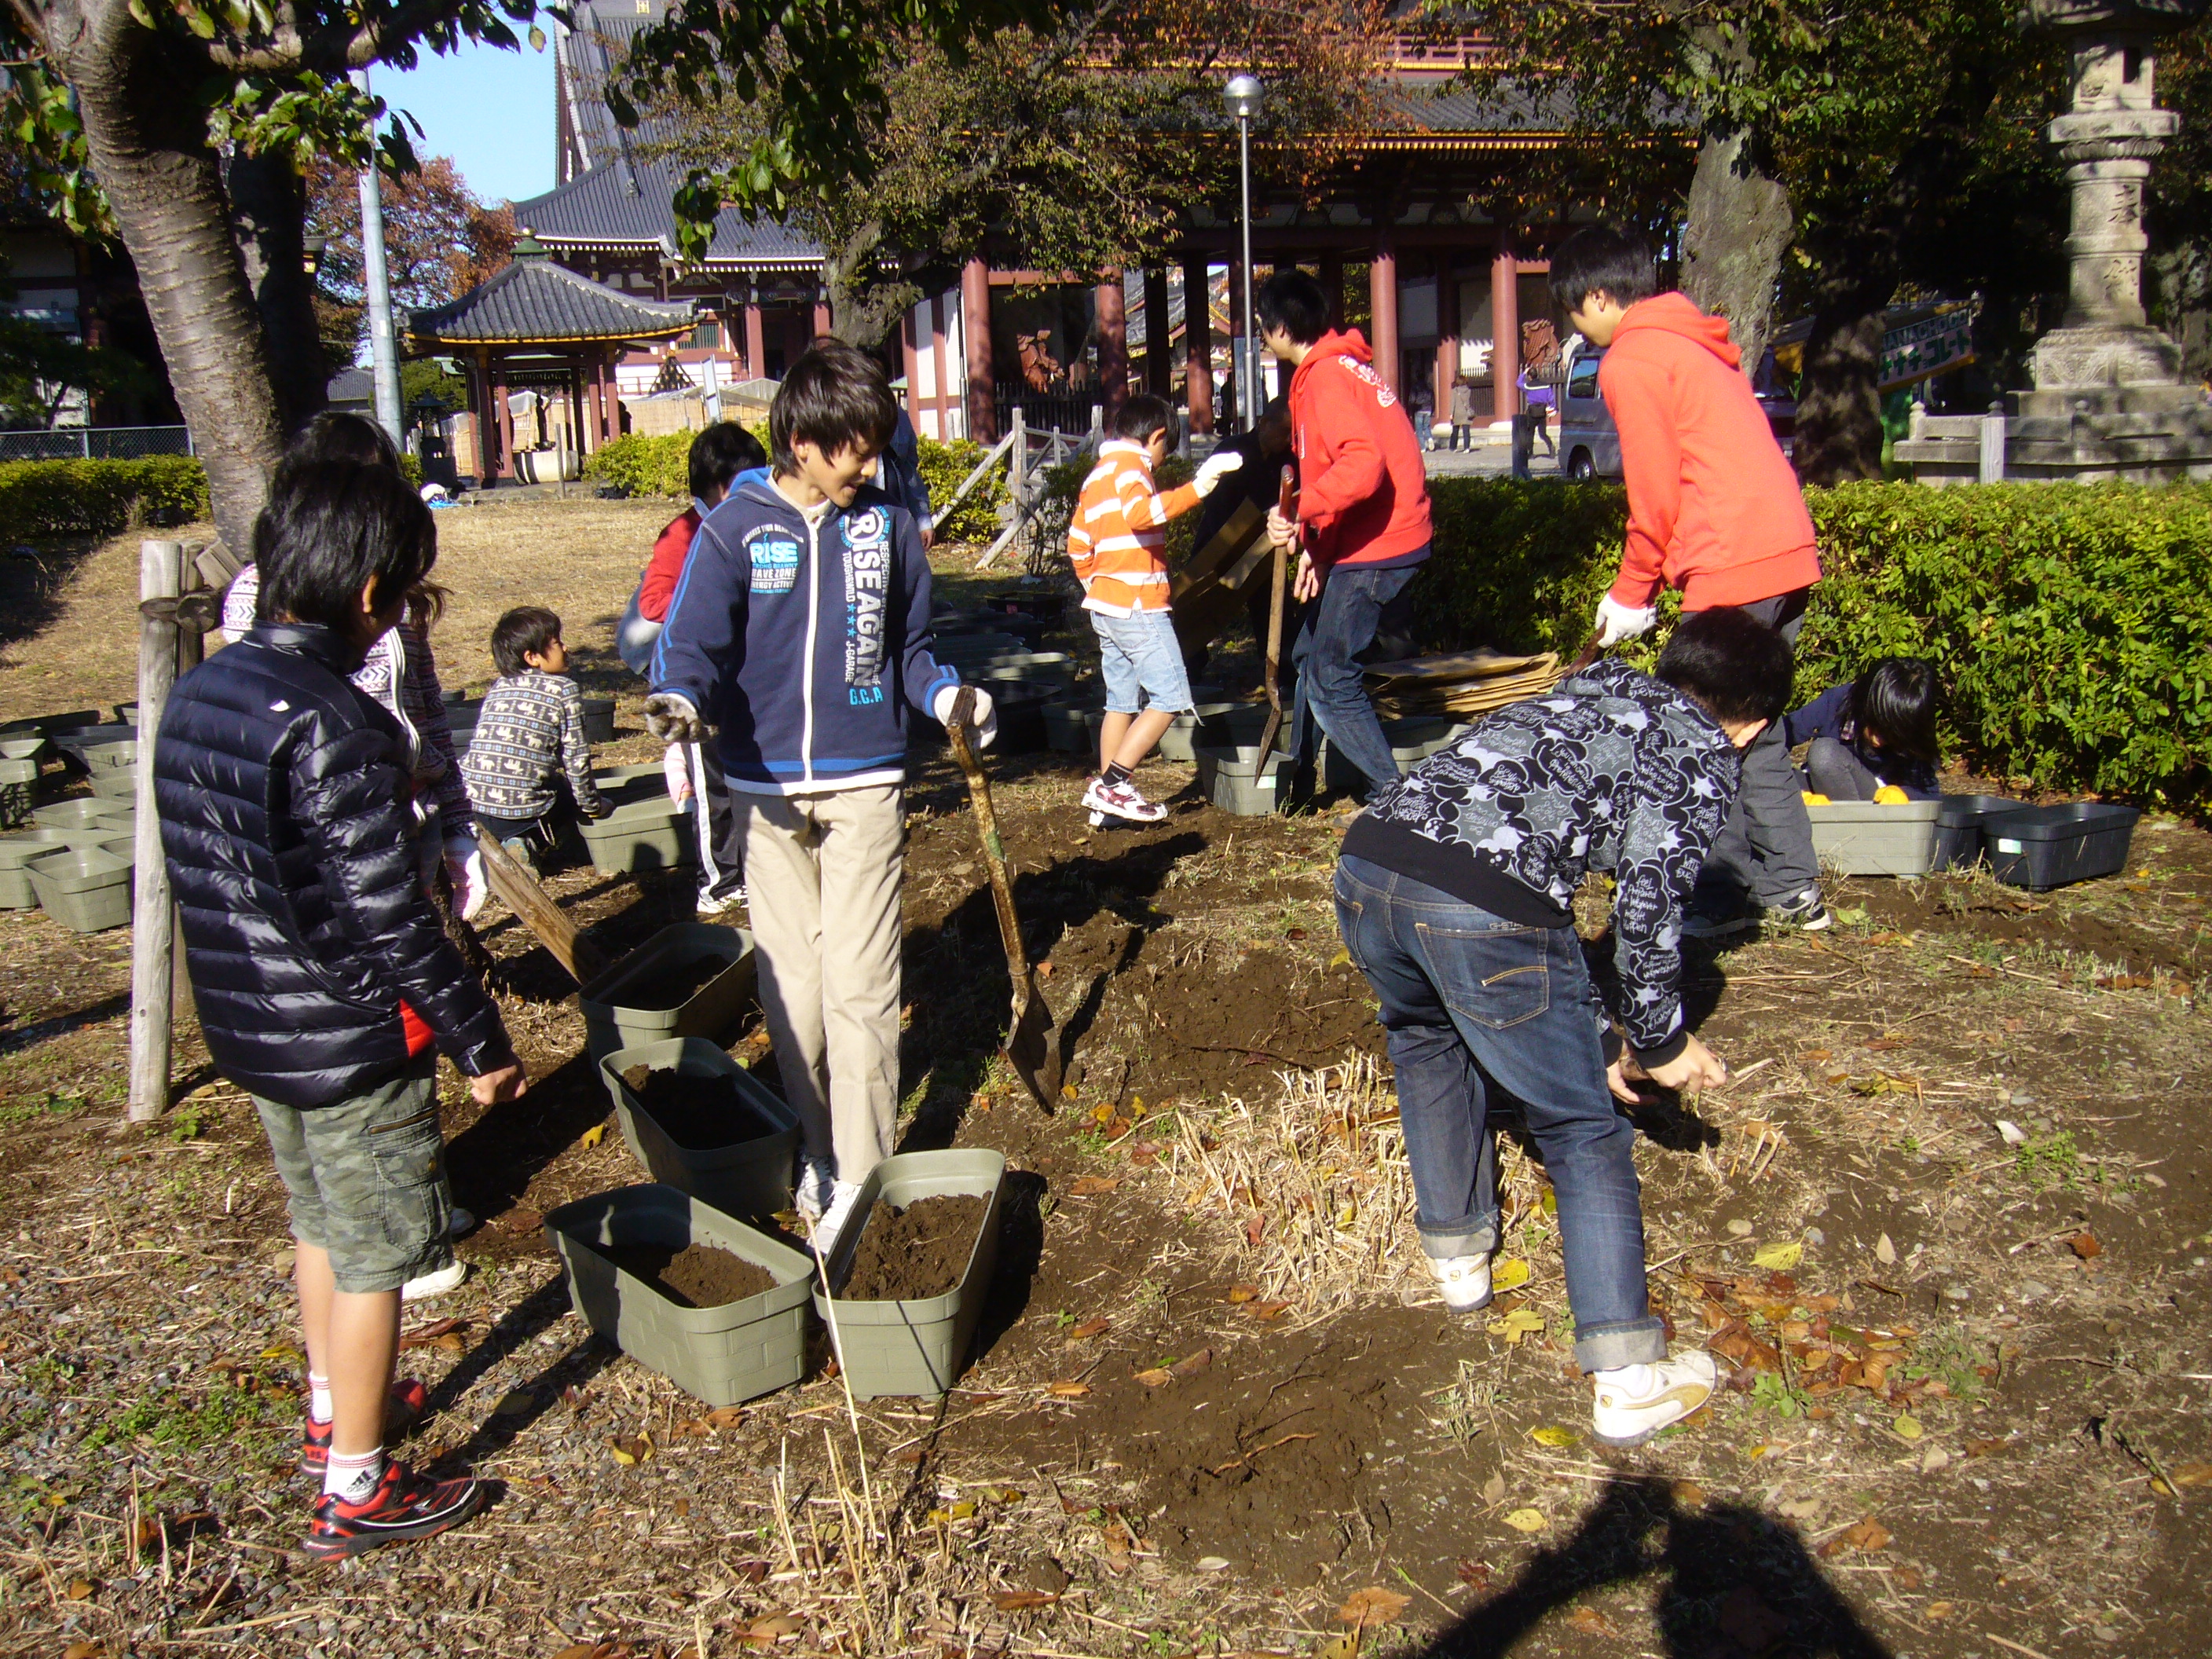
(290, 831)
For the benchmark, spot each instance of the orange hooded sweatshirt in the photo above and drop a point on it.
(1714, 508)
(1365, 494)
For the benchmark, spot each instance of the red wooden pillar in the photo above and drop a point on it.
(1505, 330)
(579, 432)
(1447, 336)
(756, 342)
(1382, 302)
(1198, 343)
(1332, 284)
(1159, 368)
(976, 335)
(1113, 344)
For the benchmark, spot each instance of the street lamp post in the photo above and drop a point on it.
(1243, 96)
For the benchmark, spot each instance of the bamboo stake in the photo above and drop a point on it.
(153, 915)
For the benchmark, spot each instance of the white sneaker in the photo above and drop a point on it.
(1464, 1281)
(817, 1185)
(437, 1284)
(459, 1223)
(1120, 800)
(827, 1229)
(719, 904)
(1635, 1402)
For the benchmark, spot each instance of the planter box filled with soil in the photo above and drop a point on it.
(912, 1270)
(712, 1304)
(698, 1121)
(692, 979)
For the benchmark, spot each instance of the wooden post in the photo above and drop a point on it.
(153, 918)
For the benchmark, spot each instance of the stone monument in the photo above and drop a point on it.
(2109, 401)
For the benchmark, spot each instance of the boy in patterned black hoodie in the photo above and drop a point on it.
(1455, 894)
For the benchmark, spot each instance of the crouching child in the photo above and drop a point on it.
(1454, 893)
(322, 971)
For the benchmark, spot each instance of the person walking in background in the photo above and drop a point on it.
(1715, 512)
(1363, 517)
(1462, 412)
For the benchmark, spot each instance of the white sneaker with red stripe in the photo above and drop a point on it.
(1119, 800)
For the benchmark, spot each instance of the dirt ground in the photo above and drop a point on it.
(1949, 1225)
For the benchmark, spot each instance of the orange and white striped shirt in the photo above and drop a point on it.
(1117, 539)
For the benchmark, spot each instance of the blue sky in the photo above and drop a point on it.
(491, 111)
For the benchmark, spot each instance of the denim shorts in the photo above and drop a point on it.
(1141, 662)
(367, 1179)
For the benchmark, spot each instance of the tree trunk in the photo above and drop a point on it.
(1839, 400)
(269, 211)
(148, 141)
(1739, 226)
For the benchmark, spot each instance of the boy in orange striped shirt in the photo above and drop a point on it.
(1117, 541)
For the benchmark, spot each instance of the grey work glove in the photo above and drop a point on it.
(671, 718)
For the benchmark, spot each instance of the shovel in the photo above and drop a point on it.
(1029, 1044)
(534, 907)
(1287, 504)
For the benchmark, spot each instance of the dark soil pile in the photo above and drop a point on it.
(916, 1251)
(670, 986)
(696, 1276)
(700, 1113)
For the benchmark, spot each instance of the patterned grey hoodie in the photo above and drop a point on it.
(1611, 770)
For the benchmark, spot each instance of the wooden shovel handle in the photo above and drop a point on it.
(534, 907)
(987, 825)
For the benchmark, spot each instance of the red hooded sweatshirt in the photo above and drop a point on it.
(1363, 491)
(1714, 508)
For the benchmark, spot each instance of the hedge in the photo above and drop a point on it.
(99, 498)
(661, 466)
(2072, 624)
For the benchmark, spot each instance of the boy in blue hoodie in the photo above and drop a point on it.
(799, 631)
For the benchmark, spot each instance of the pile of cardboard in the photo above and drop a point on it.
(1459, 685)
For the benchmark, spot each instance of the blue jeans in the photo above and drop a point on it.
(1332, 687)
(1140, 662)
(1474, 1003)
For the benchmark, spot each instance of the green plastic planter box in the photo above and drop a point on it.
(1412, 742)
(724, 1355)
(2040, 848)
(915, 1348)
(746, 1178)
(1180, 741)
(968, 652)
(17, 852)
(115, 783)
(710, 1012)
(1859, 838)
(654, 833)
(598, 719)
(1071, 729)
(112, 755)
(1235, 781)
(86, 812)
(85, 889)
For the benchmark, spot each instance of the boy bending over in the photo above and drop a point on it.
(1454, 893)
(530, 734)
(322, 969)
(800, 631)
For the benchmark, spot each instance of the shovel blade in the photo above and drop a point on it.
(1030, 1049)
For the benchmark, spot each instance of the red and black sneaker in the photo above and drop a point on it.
(410, 1399)
(403, 1505)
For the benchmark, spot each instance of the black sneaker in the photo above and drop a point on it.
(1807, 913)
(403, 1505)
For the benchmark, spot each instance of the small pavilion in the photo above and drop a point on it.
(538, 326)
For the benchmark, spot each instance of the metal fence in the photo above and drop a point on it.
(1068, 410)
(95, 443)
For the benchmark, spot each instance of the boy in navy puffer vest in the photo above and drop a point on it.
(800, 631)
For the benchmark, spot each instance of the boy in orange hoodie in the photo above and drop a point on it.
(1713, 511)
(1363, 523)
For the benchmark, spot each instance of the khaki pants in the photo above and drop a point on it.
(822, 880)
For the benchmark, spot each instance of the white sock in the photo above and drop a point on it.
(352, 1479)
(318, 1397)
(1634, 1381)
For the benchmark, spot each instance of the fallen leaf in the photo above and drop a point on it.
(694, 1428)
(1885, 1252)
(1866, 1534)
(1814, 1056)
(1337, 1646)
(1509, 1275)
(963, 1510)
(774, 1625)
(1939, 1609)
(1212, 1564)
(1156, 1377)
(1779, 1258)
(1522, 1321)
(1044, 969)
(1590, 1622)
(2193, 1474)
(1023, 1600)
(1244, 1292)
(1493, 1490)
(1993, 1447)
(1554, 1434)
(1526, 1520)
(1264, 1311)
(1475, 1575)
(1907, 1426)
(84, 1650)
(1069, 1391)
(726, 1417)
(1372, 1606)
(1342, 960)
(1883, 1045)
(2085, 1246)
(79, 1590)
(1002, 1494)
(2010, 1133)
(521, 1221)
(1191, 1364)
(449, 1343)
(1089, 1329)
(1689, 1494)
(583, 1651)
(423, 1335)
(593, 1136)
(1092, 1185)
(629, 1451)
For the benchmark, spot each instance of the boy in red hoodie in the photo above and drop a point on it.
(1363, 523)
(1713, 511)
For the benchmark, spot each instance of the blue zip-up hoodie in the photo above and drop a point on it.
(803, 644)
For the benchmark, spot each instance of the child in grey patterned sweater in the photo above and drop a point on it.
(529, 734)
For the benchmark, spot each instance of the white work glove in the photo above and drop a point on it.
(675, 771)
(464, 869)
(983, 728)
(671, 718)
(1214, 469)
(1616, 622)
